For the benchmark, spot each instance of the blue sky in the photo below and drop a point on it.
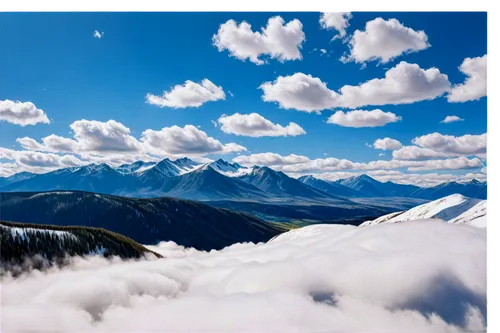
(53, 61)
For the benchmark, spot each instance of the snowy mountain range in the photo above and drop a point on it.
(222, 180)
(455, 208)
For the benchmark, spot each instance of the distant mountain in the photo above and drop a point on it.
(139, 166)
(369, 187)
(329, 187)
(472, 189)
(279, 184)
(93, 178)
(222, 180)
(205, 183)
(15, 178)
(147, 221)
(45, 245)
(454, 208)
(229, 169)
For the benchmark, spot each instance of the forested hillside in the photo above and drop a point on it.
(39, 246)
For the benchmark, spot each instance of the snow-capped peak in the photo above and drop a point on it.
(454, 208)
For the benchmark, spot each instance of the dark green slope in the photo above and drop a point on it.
(147, 221)
(51, 244)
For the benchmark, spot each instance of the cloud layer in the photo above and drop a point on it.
(255, 125)
(22, 113)
(422, 278)
(277, 40)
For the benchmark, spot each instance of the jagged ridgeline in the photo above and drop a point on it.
(39, 246)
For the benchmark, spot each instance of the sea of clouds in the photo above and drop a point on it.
(422, 276)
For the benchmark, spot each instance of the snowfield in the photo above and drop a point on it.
(454, 208)
(418, 276)
(30, 232)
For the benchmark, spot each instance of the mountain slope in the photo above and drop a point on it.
(454, 208)
(369, 187)
(94, 178)
(207, 184)
(472, 189)
(279, 184)
(147, 221)
(329, 187)
(20, 241)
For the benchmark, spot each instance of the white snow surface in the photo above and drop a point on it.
(25, 232)
(448, 209)
(227, 169)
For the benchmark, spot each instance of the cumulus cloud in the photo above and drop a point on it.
(277, 40)
(22, 113)
(98, 34)
(190, 94)
(90, 136)
(255, 125)
(299, 91)
(451, 119)
(387, 144)
(112, 142)
(416, 153)
(474, 86)
(292, 164)
(187, 140)
(38, 159)
(403, 84)
(310, 279)
(448, 144)
(335, 21)
(458, 163)
(384, 40)
(363, 118)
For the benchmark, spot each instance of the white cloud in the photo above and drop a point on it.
(451, 119)
(363, 118)
(387, 144)
(458, 163)
(270, 159)
(191, 94)
(22, 113)
(384, 40)
(416, 153)
(187, 140)
(336, 21)
(299, 91)
(103, 137)
(255, 125)
(403, 84)
(292, 164)
(381, 154)
(98, 34)
(8, 169)
(474, 86)
(38, 159)
(461, 145)
(112, 142)
(277, 40)
(311, 280)
(90, 136)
